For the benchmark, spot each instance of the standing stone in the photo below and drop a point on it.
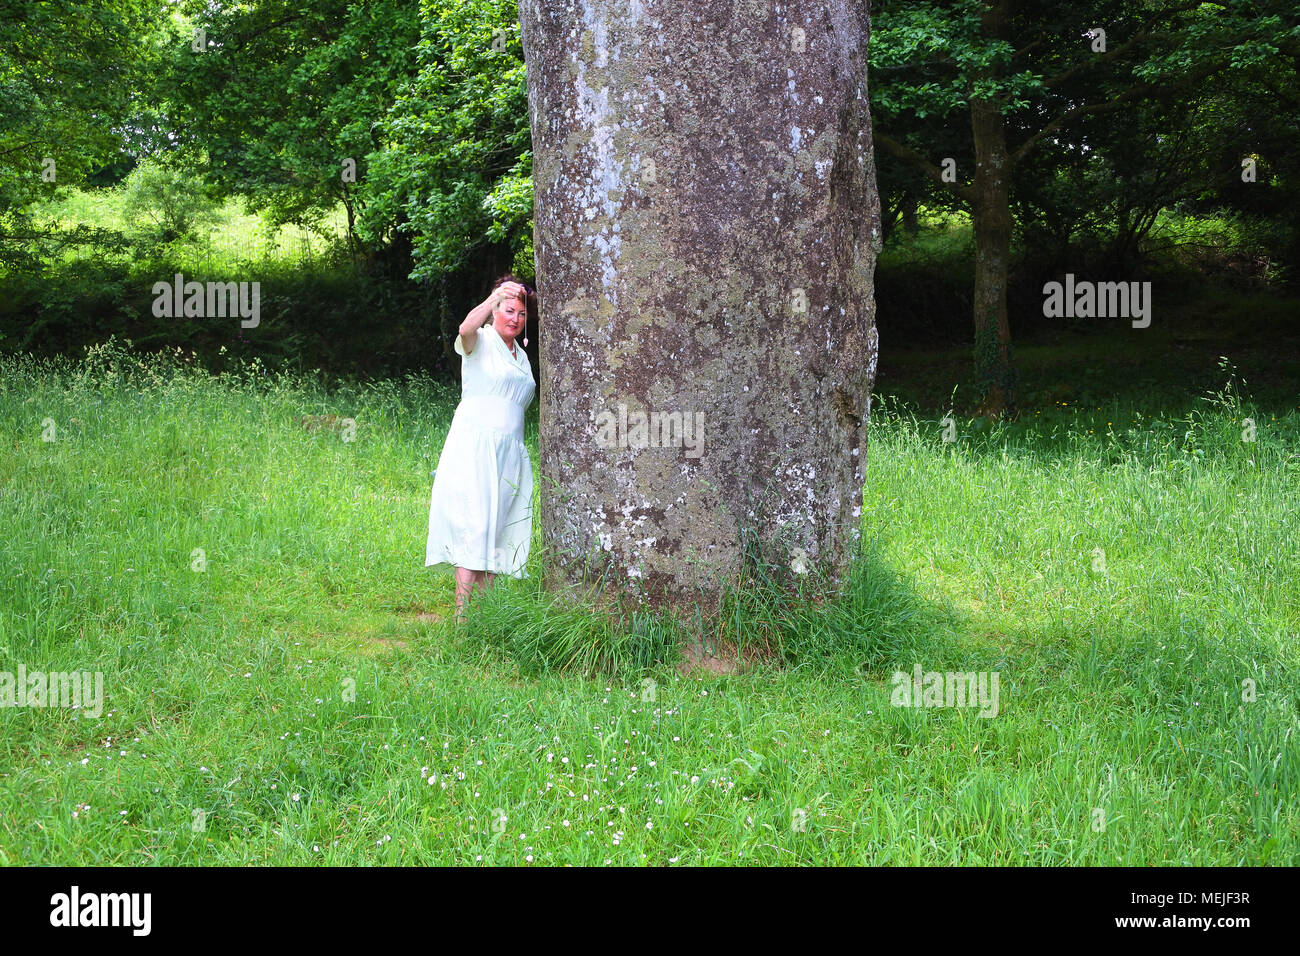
(706, 232)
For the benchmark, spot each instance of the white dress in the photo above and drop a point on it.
(480, 514)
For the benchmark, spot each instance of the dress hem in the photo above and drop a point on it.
(452, 564)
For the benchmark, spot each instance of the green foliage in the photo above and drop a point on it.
(165, 202)
(69, 73)
(457, 168)
(1110, 138)
(318, 309)
(425, 102)
(71, 76)
(947, 36)
(285, 100)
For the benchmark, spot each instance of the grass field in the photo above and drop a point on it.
(283, 684)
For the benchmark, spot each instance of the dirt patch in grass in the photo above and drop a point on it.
(422, 612)
(717, 659)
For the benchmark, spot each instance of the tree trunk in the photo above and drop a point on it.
(991, 220)
(706, 230)
(910, 226)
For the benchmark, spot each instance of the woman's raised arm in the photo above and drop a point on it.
(468, 330)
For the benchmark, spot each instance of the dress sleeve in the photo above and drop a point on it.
(460, 349)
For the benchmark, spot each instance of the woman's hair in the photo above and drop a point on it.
(530, 303)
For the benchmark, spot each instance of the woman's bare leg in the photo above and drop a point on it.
(465, 579)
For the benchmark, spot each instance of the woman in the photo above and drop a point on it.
(480, 515)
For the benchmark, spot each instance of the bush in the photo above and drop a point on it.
(165, 202)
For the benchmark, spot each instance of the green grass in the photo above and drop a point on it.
(1123, 569)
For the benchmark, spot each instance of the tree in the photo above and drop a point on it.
(70, 72)
(1026, 72)
(286, 100)
(456, 169)
(707, 226)
(412, 114)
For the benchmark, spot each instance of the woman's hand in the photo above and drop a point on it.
(508, 290)
(481, 314)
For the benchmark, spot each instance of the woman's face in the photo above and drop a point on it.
(509, 317)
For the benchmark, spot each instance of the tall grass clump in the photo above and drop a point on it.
(565, 633)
